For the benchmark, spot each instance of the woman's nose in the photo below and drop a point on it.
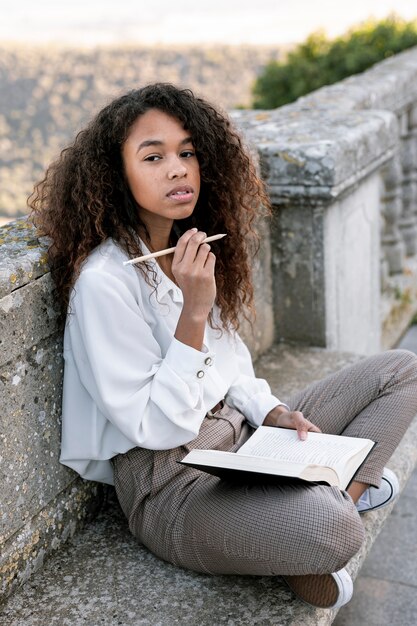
(177, 169)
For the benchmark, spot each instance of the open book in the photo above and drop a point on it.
(278, 452)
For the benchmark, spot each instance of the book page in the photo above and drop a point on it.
(284, 445)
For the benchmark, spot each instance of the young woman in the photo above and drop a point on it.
(154, 366)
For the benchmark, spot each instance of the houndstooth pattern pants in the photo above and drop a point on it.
(200, 522)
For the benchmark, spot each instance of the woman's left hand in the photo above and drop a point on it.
(282, 418)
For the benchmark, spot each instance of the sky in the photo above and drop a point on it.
(91, 22)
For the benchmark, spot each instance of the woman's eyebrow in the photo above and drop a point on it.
(158, 142)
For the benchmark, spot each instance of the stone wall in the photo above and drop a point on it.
(337, 270)
(342, 172)
(42, 502)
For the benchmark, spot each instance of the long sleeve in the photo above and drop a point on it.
(155, 400)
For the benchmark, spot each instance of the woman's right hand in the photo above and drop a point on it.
(193, 269)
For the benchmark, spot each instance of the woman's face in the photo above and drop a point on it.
(161, 168)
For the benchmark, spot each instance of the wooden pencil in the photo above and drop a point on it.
(154, 255)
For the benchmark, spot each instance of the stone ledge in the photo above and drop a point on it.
(22, 257)
(24, 552)
(104, 576)
(316, 155)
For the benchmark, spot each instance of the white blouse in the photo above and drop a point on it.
(128, 382)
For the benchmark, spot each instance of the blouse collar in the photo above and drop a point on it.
(165, 284)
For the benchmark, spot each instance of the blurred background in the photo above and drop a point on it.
(60, 63)
(235, 22)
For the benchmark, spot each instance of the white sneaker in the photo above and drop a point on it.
(374, 498)
(325, 591)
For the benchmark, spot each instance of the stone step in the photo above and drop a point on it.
(102, 576)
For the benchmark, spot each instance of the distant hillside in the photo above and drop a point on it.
(47, 94)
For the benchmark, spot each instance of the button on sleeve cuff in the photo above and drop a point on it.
(188, 362)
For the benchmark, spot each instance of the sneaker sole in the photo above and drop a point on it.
(325, 591)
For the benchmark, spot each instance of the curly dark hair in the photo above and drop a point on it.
(84, 197)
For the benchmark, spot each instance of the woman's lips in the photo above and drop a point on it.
(181, 194)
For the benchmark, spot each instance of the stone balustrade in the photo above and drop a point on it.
(341, 167)
(324, 173)
(336, 270)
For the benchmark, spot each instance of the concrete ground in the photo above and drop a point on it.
(385, 592)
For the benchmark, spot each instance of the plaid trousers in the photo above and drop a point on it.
(197, 521)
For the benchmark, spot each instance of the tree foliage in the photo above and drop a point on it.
(320, 61)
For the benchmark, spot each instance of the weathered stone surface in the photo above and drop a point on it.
(352, 276)
(312, 156)
(42, 502)
(30, 410)
(28, 316)
(289, 368)
(105, 577)
(22, 256)
(260, 336)
(323, 168)
(326, 271)
(314, 153)
(24, 552)
(298, 275)
(41, 505)
(399, 304)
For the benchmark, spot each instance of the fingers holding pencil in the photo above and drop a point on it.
(155, 255)
(193, 268)
(191, 240)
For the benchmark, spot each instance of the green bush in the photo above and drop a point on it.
(320, 61)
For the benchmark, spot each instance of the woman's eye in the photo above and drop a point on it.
(152, 157)
(187, 154)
